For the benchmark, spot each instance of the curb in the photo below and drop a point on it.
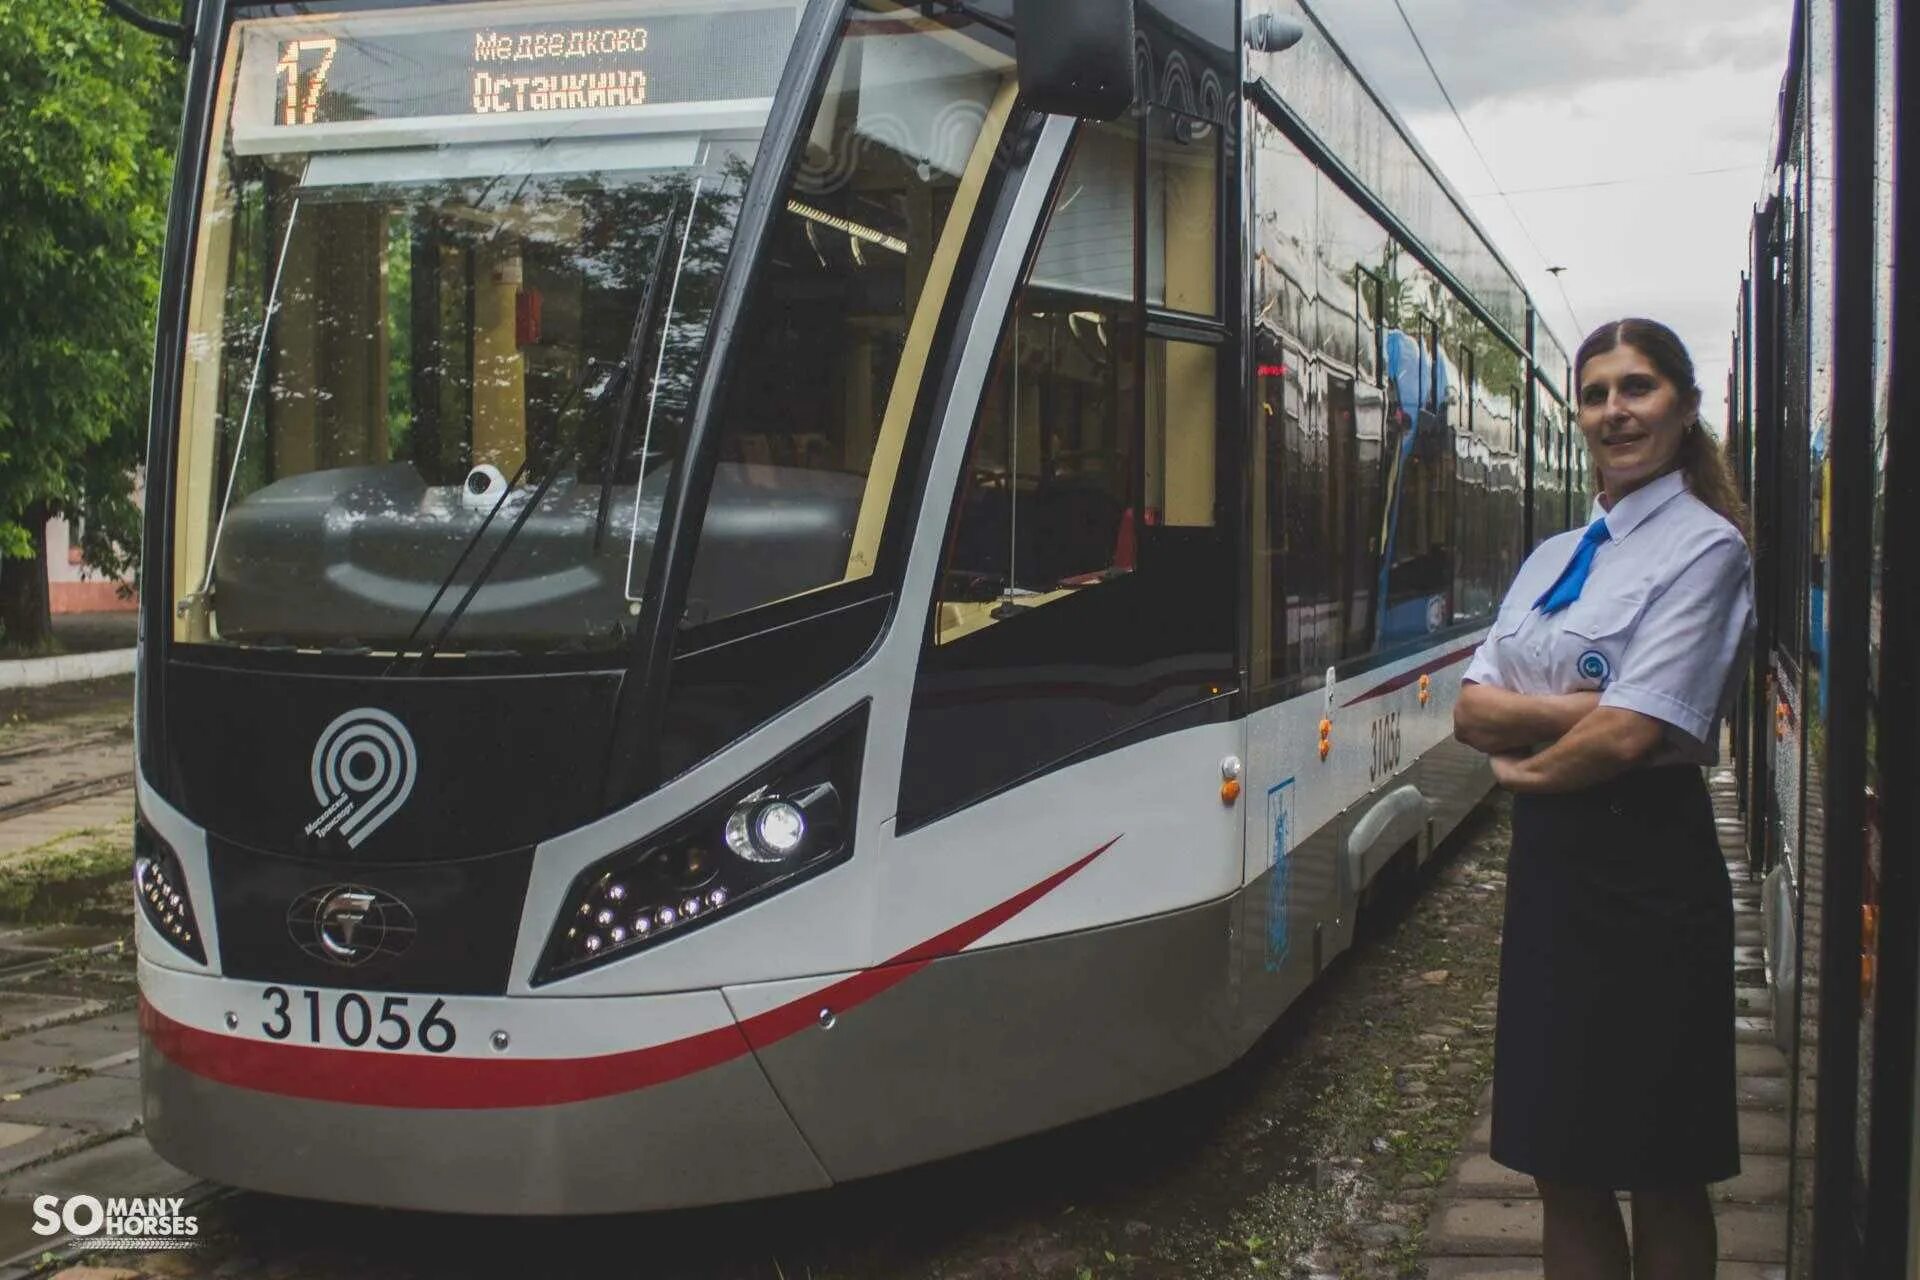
(28, 673)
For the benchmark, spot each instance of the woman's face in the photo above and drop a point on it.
(1634, 418)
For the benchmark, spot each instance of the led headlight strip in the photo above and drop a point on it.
(161, 888)
(790, 821)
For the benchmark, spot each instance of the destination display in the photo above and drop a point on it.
(351, 71)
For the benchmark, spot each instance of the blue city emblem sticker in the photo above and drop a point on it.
(1594, 666)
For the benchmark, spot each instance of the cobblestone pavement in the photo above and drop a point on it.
(1487, 1223)
(69, 1085)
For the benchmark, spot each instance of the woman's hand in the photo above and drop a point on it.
(1509, 771)
(1602, 746)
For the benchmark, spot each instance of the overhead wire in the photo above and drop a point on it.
(1480, 155)
(1617, 182)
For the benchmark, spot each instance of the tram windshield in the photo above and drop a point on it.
(452, 284)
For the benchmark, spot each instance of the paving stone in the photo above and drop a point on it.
(1754, 1030)
(91, 1272)
(1485, 1228)
(22, 1011)
(101, 1103)
(1759, 1060)
(1479, 1175)
(1763, 1133)
(17, 1236)
(1762, 1180)
(1753, 1001)
(123, 1167)
(124, 1066)
(1487, 1269)
(75, 1044)
(37, 1143)
(1765, 1092)
(1752, 1234)
(1511, 1228)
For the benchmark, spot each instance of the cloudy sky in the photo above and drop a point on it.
(1630, 135)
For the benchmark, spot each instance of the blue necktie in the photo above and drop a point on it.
(1566, 588)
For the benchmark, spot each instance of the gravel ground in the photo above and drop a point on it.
(1318, 1155)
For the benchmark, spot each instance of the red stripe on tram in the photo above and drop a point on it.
(418, 1082)
(1400, 682)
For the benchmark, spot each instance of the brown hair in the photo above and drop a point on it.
(1709, 475)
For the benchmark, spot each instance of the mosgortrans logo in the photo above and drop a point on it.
(138, 1222)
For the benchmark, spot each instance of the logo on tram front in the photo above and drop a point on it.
(363, 771)
(350, 924)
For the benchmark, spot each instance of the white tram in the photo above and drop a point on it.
(733, 606)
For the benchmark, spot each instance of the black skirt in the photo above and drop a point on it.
(1613, 1054)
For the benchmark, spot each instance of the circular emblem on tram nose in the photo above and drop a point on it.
(1594, 666)
(363, 771)
(350, 924)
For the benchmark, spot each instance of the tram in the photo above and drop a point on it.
(746, 593)
(1823, 434)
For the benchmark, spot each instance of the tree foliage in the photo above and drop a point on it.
(88, 114)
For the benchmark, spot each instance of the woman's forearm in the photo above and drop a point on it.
(1602, 746)
(1497, 721)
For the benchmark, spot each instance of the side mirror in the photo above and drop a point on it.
(1076, 56)
(1271, 33)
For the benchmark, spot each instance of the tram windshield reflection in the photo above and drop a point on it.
(424, 307)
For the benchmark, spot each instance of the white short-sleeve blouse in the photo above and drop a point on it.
(1659, 628)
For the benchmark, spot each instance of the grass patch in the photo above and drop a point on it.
(83, 884)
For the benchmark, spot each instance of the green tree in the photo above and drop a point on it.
(88, 113)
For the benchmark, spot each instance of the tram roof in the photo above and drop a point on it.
(1318, 29)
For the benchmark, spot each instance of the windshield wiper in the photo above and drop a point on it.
(486, 522)
(636, 350)
(267, 314)
(624, 375)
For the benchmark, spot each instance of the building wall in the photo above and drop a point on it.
(74, 588)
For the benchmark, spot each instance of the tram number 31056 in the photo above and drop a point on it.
(353, 1023)
(1386, 746)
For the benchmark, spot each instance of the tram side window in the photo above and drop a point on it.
(865, 249)
(1418, 523)
(1183, 213)
(1047, 505)
(1092, 443)
(1086, 586)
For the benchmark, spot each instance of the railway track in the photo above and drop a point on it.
(66, 794)
(53, 771)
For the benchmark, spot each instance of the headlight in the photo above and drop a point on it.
(161, 888)
(789, 822)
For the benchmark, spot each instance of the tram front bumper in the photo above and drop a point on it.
(644, 1114)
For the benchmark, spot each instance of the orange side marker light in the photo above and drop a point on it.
(1326, 738)
(1230, 771)
(1426, 689)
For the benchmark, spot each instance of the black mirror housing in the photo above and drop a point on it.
(1076, 56)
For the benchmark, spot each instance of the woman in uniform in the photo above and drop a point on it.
(1599, 694)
